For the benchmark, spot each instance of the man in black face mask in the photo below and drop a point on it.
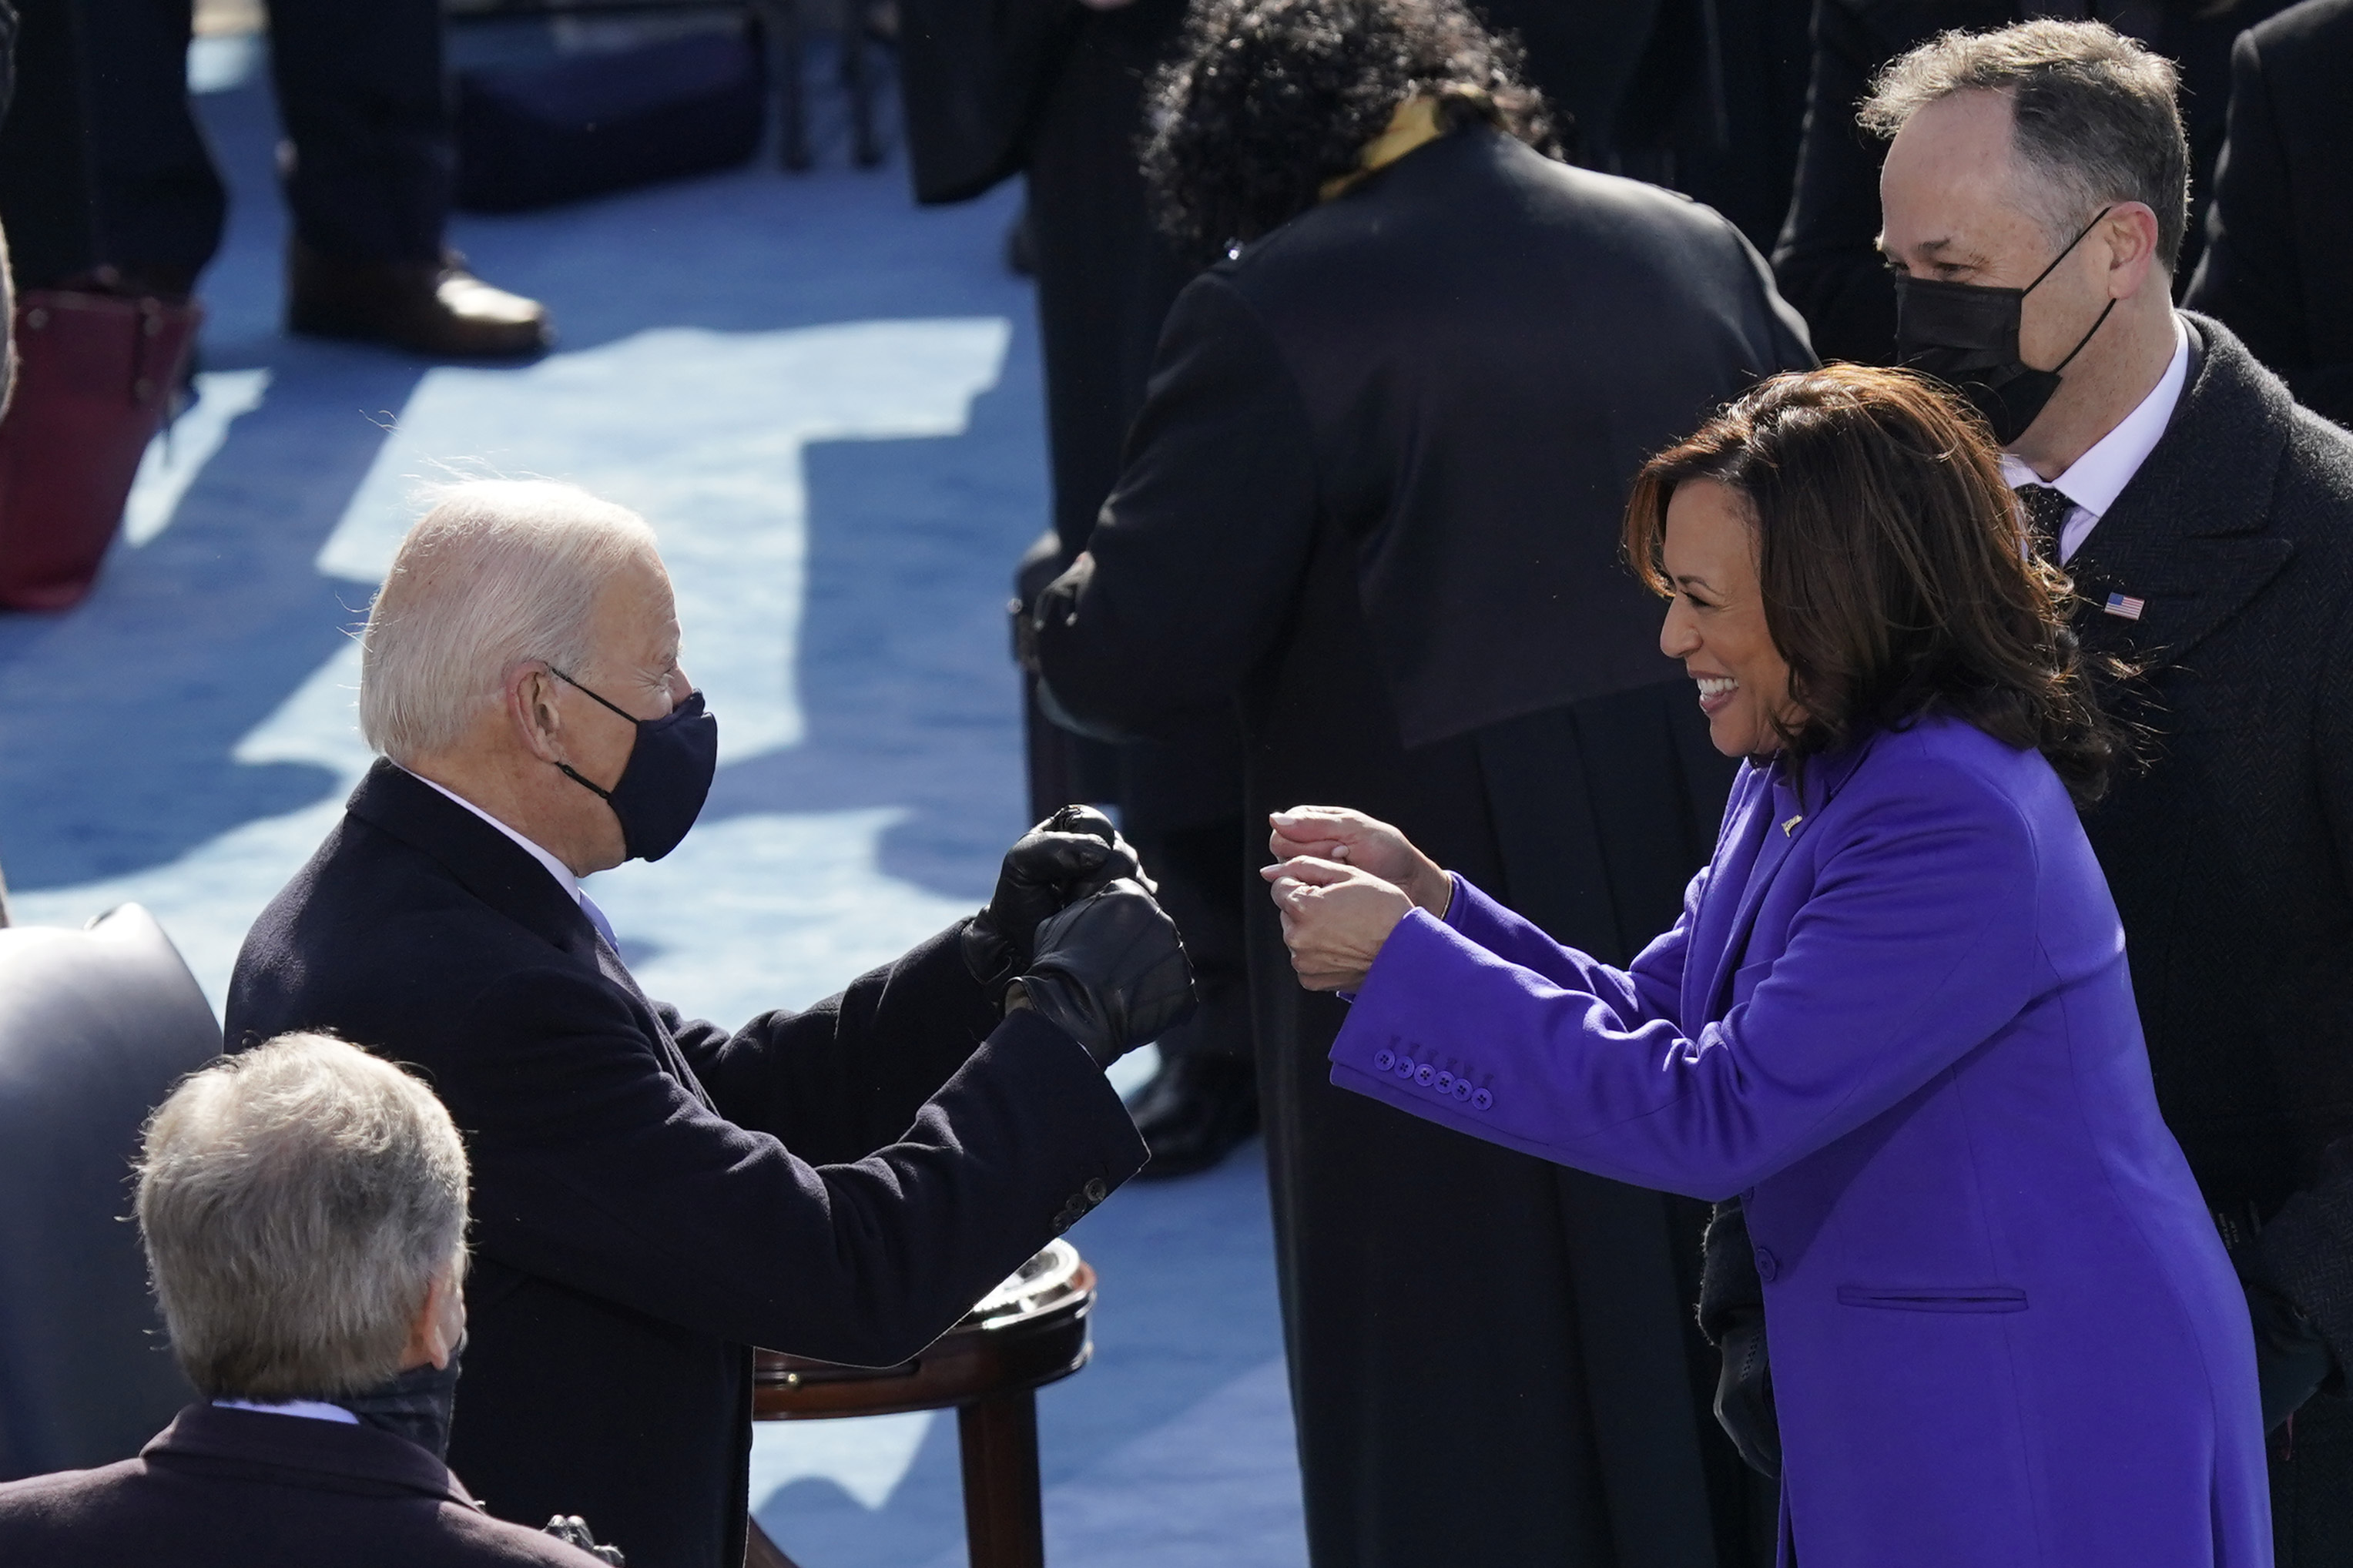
(2033, 201)
(654, 1195)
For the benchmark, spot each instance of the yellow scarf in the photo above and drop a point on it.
(1415, 122)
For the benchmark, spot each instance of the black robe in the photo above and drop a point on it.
(1373, 498)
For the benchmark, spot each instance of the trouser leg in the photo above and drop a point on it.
(101, 164)
(368, 164)
(160, 204)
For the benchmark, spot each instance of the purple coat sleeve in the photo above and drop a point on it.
(1644, 993)
(1915, 941)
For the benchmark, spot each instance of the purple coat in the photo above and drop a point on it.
(1896, 1021)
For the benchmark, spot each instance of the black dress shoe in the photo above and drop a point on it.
(1194, 1113)
(435, 308)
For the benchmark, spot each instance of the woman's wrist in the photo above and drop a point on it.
(1433, 890)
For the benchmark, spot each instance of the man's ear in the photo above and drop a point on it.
(2131, 229)
(530, 698)
(441, 1320)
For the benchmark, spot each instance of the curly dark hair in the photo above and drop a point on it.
(1892, 565)
(1267, 100)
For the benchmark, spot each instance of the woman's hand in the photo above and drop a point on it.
(1347, 837)
(1336, 919)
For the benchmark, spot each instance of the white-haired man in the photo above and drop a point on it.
(2032, 207)
(303, 1209)
(654, 1195)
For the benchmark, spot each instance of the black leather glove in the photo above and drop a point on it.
(1111, 973)
(1072, 854)
(2292, 1361)
(572, 1531)
(1744, 1393)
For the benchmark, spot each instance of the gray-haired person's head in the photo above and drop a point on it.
(2093, 116)
(498, 574)
(297, 1203)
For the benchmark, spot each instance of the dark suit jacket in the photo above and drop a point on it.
(2232, 856)
(653, 1196)
(1825, 260)
(2278, 267)
(242, 1488)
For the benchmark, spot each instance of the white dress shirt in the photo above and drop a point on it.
(311, 1409)
(555, 868)
(2095, 479)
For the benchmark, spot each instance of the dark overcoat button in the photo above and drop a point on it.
(1095, 1189)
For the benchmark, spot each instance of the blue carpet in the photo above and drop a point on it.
(827, 402)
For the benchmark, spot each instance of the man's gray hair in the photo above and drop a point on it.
(498, 574)
(2094, 114)
(296, 1202)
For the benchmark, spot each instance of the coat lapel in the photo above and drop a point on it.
(489, 866)
(2187, 536)
(1786, 820)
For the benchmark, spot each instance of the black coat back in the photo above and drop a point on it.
(653, 1196)
(2278, 267)
(242, 1488)
(1460, 363)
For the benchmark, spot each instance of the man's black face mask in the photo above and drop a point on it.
(1965, 335)
(662, 789)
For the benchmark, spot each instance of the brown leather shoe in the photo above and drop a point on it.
(443, 311)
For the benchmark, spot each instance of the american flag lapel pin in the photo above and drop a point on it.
(2125, 608)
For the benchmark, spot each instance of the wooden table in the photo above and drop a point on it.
(1029, 1332)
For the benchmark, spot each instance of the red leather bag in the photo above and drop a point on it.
(95, 376)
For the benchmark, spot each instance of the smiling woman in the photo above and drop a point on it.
(1894, 1017)
(1841, 554)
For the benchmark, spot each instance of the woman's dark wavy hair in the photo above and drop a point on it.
(1267, 100)
(1890, 560)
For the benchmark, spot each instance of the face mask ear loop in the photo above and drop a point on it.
(565, 768)
(633, 718)
(604, 795)
(2030, 288)
(2086, 338)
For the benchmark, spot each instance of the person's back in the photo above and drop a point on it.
(246, 1489)
(303, 1211)
(1485, 341)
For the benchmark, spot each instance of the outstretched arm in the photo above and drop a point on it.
(611, 1177)
(1915, 946)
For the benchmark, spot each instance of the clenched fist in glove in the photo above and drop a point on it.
(1111, 972)
(1070, 855)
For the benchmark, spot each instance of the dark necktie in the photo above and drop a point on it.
(2046, 514)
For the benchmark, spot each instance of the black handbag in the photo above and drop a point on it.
(581, 125)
